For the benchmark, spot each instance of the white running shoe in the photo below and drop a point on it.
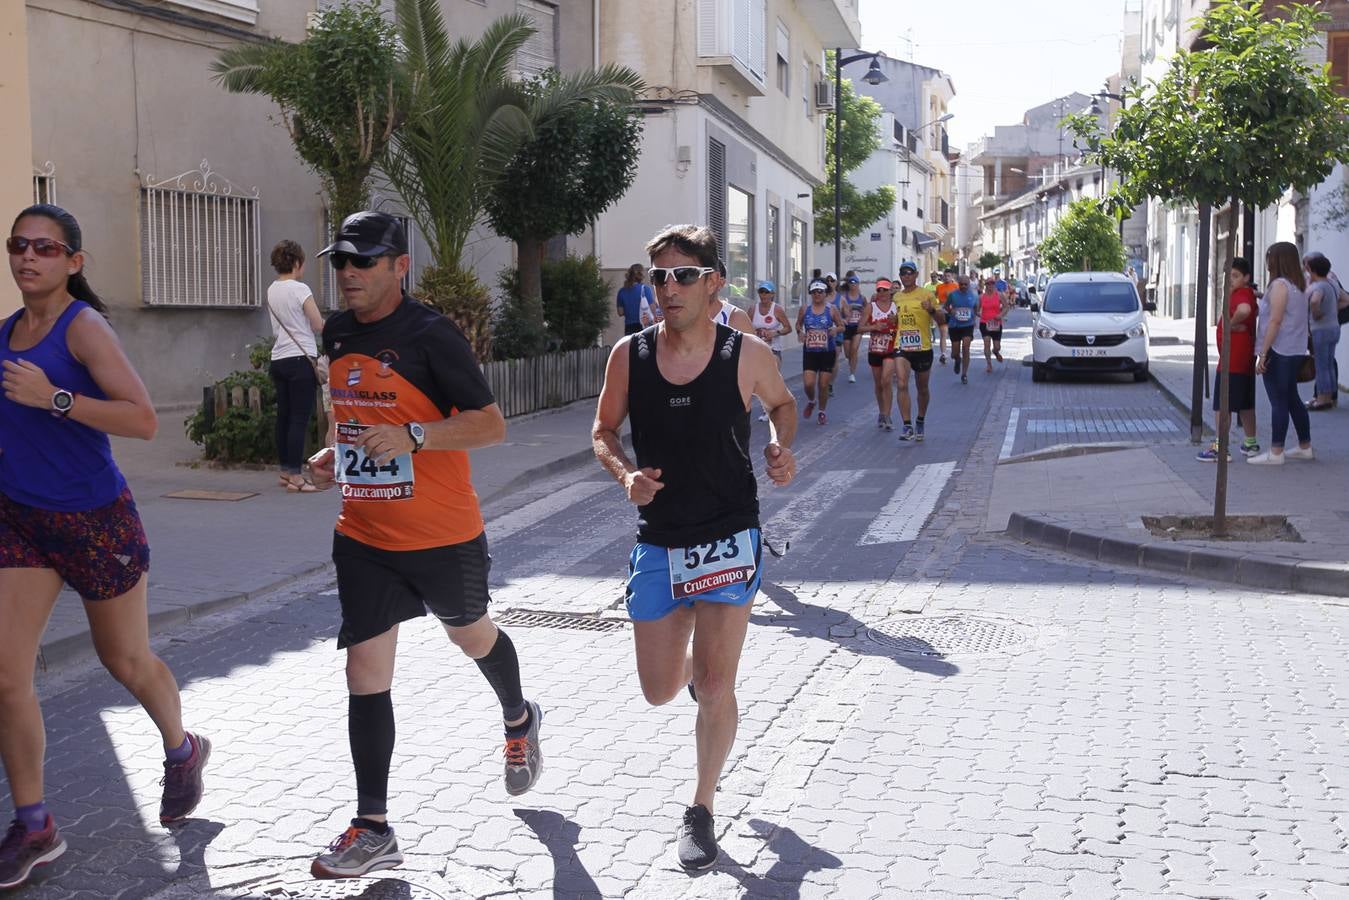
(1300, 453)
(852, 379)
(1268, 458)
(763, 418)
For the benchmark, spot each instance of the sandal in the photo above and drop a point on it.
(1316, 406)
(300, 487)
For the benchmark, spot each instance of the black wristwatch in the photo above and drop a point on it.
(63, 402)
(418, 435)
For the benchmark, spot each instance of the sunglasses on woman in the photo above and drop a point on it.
(340, 259)
(685, 275)
(48, 247)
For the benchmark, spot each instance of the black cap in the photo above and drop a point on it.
(369, 233)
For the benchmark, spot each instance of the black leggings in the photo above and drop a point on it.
(296, 386)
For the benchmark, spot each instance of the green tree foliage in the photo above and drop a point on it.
(988, 260)
(580, 161)
(859, 137)
(1086, 237)
(340, 94)
(576, 303)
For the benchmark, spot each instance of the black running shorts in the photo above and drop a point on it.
(958, 332)
(918, 360)
(990, 331)
(380, 588)
(817, 361)
(876, 360)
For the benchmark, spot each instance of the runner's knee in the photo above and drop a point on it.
(128, 667)
(713, 687)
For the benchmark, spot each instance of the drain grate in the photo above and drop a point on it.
(345, 889)
(524, 618)
(949, 635)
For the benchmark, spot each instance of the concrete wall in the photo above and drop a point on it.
(16, 183)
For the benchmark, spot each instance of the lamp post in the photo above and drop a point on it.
(873, 76)
(1095, 110)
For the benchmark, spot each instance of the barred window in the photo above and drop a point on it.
(44, 183)
(200, 243)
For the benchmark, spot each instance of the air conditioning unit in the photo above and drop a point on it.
(824, 95)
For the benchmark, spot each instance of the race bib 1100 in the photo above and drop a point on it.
(361, 478)
(708, 567)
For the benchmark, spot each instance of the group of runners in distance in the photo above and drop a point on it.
(409, 400)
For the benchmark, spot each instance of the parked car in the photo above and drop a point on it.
(1090, 322)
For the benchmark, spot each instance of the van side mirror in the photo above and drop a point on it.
(1150, 306)
(1034, 307)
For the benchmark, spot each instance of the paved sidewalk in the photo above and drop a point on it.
(207, 554)
(1092, 504)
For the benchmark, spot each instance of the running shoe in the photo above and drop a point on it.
(356, 851)
(943, 359)
(763, 418)
(964, 379)
(1300, 453)
(22, 851)
(182, 782)
(1268, 458)
(1249, 450)
(907, 434)
(889, 424)
(880, 421)
(852, 379)
(822, 418)
(810, 408)
(997, 354)
(918, 431)
(524, 758)
(697, 839)
(956, 363)
(1210, 455)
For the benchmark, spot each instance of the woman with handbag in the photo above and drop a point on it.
(1281, 348)
(295, 369)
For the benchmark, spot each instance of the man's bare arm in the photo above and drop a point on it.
(640, 485)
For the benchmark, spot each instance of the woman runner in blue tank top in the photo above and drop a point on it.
(66, 516)
(820, 322)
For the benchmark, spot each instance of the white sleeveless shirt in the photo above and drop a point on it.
(768, 322)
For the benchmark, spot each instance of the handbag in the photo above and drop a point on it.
(319, 363)
(1307, 370)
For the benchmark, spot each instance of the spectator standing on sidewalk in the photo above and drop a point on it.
(294, 369)
(1323, 301)
(630, 297)
(67, 516)
(1240, 363)
(1281, 343)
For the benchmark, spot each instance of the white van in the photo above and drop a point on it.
(1090, 322)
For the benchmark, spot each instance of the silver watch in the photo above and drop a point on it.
(418, 435)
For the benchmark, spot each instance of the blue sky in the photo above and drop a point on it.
(1003, 56)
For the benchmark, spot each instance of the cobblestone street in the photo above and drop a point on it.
(952, 716)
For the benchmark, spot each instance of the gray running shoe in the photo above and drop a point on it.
(918, 430)
(697, 845)
(889, 424)
(358, 850)
(907, 434)
(524, 758)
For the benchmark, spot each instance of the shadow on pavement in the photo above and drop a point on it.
(193, 837)
(560, 834)
(795, 860)
(808, 620)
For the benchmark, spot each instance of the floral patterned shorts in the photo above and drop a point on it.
(101, 553)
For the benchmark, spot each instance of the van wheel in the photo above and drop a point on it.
(1141, 373)
(1038, 372)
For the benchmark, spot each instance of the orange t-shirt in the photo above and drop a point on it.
(414, 365)
(943, 289)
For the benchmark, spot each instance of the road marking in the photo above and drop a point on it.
(1095, 425)
(1010, 438)
(908, 510)
(807, 506)
(533, 513)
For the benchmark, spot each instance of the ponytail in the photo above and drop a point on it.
(76, 285)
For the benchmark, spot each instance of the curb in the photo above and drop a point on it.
(1307, 576)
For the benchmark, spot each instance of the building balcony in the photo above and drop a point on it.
(837, 23)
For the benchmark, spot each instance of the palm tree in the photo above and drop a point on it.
(466, 121)
(340, 91)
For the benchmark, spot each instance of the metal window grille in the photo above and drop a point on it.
(330, 298)
(200, 242)
(44, 183)
(774, 247)
(540, 51)
(716, 190)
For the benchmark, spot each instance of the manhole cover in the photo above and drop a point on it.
(345, 889)
(949, 635)
(524, 618)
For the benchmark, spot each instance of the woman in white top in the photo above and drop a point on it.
(1280, 345)
(770, 324)
(294, 317)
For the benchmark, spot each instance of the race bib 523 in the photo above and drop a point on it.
(708, 567)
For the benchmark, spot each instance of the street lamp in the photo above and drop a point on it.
(873, 76)
(1095, 110)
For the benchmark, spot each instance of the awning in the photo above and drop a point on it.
(923, 241)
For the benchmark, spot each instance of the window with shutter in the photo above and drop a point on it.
(1339, 61)
(716, 190)
(539, 53)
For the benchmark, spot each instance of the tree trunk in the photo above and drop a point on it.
(1224, 379)
(346, 196)
(530, 251)
(1200, 327)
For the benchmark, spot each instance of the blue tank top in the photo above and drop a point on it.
(48, 462)
(817, 325)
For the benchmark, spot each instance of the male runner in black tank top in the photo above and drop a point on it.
(687, 382)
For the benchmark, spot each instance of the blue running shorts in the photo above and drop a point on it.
(649, 595)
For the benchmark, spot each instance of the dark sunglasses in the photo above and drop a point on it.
(17, 246)
(817, 291)
(685, 275)
(340, 260)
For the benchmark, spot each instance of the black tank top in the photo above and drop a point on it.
(697, 434)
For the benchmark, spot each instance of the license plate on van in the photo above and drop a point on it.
(1088, 351)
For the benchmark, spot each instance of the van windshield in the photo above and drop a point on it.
(1089, 297)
